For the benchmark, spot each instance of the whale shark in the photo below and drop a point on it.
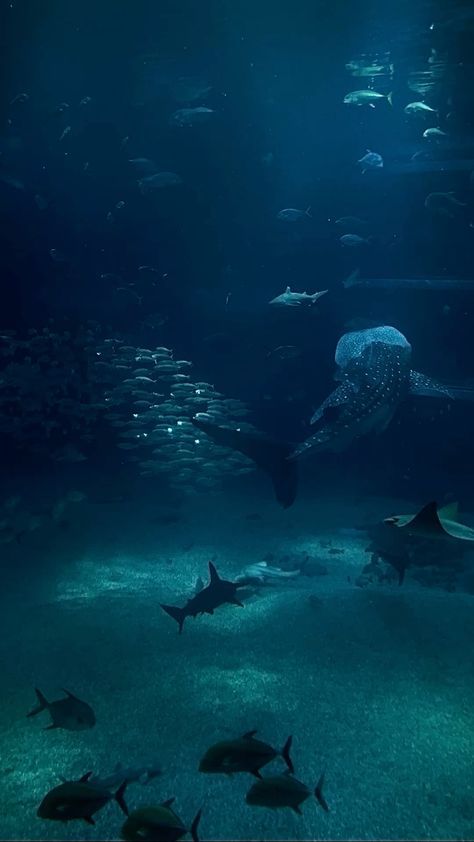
(374, 375)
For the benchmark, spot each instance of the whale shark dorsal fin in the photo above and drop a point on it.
(427, 517)
(213, 574)
(450, 511)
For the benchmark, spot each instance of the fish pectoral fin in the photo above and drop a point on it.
(89, 820)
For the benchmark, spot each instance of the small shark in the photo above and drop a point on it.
(217, 592)
(263, 573)
(374, 375)
(432, 522)
(130, 774)
(296, 299)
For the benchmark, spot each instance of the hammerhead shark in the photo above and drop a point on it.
(216, 593)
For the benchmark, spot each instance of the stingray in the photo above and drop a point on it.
(432, 522)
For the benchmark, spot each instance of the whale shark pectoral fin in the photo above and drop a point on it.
(427, 387)
(427, 519)
(268, 454)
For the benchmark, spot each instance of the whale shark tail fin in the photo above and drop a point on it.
(267, 453)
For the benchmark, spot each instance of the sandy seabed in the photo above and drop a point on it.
(376, 685)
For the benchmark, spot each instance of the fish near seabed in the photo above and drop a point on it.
(70, 713)
(284, 791)
(244, 754)
(216, 593)
(78, 800)
(150, 824)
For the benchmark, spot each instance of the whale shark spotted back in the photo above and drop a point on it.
(374, 376)
(373, 367)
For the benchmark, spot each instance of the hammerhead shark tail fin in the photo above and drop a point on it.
(268, 454)
(177, 614)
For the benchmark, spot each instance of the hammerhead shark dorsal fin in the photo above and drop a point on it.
(427, 517)
(450, 511)
(213, 574)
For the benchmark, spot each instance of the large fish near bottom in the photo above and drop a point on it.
(374, 375)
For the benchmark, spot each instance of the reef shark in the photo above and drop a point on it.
(375, 376)
(205, 601)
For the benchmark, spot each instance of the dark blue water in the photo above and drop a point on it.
(111, 502)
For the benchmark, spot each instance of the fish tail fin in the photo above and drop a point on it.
(389, 98)
(318, 793)
(268, 454)
(195, 825)
(177, 614)
(120, 799)
(43, 703)
(308, 212)
(285, 753)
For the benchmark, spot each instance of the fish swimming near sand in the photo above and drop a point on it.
(218, 592)
(374, 375)
(284, 791)
(130, 774)
(70, 713)
(160, 822)
(263, 573)
(78, 800)
(244, 754)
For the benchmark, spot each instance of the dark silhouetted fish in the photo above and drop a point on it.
(284, 791)
(245, 754)
(70, 713)
(161, 822)
(78, 800)
(217, 592)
